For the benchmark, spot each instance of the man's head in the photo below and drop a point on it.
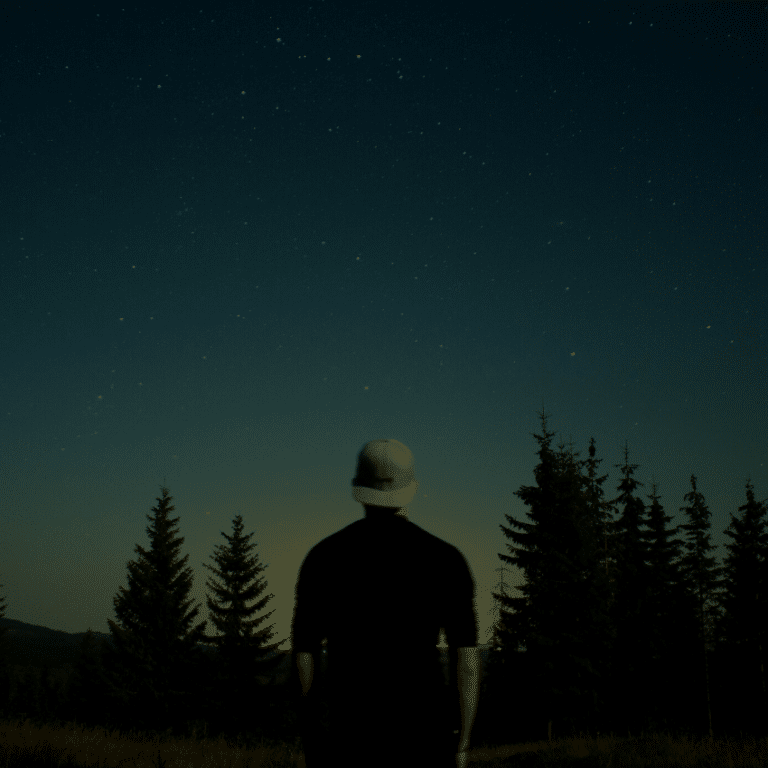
(385, 482)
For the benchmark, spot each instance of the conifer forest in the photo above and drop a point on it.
(622, 624)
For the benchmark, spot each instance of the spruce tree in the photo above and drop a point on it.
(38, 695)
(650, 590)
(504, 684)
(601, 516)
(121, 672)
(5, 640)
(149, 666)
(741, 631)
(701, 574)
(599, 550)
(84, 691)
(561, 619)
(670, 618)
(628, 593)
(24, 704)
(6, 674)
(50, 696)
(532, 623)
(240, 652)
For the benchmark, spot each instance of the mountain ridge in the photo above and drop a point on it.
(39, 645)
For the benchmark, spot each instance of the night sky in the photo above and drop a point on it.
(240, 240)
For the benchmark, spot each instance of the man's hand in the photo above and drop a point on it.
(306, 664)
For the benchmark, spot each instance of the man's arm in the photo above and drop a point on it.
(306, 664)
(468, 673)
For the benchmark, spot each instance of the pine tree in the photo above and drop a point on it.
(670, 618)
(561, 619)
(5, 663)
(599, 549)
(702, 576)
(601, 515)
(84, 691)
(5, 641)
(240, 651)
(504, 681)
(629, 594)
(50, 696)
(24, 703)
(5, 689)
(740, 632)
(36, 695)
(629, 684)
(149, 666)
(501, 686)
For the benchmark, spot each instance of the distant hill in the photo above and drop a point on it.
(34, 645)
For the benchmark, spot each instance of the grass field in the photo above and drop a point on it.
(23, 744)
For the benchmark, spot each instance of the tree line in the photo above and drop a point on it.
(154, 678)
(615, 629)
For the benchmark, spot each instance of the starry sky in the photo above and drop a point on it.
(241, 240)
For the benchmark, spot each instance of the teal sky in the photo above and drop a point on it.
(238, 246)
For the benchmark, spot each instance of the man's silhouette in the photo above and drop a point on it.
(379, 591)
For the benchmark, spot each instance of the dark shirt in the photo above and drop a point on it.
(378, 591)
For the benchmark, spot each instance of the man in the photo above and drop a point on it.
(378, 592)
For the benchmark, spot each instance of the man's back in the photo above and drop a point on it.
(379, 590)
(383, 584)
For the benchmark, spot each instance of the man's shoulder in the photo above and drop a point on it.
(406, 534)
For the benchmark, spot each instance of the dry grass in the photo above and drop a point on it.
(28, 745)
(657, 751)
(90, 747)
